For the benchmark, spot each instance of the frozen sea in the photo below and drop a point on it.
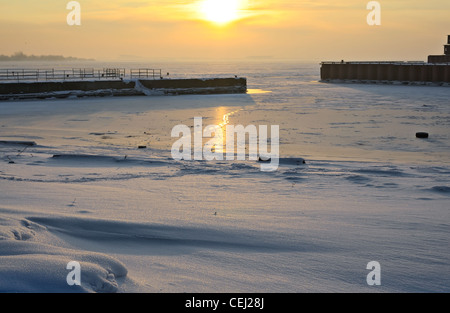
(138, 221)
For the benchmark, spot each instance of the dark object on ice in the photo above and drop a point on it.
(292, 161)
(422, 135)
(11, 162)
(284, 161)
(84, 157)
(142, 147)
(443, 189)
(20, 143)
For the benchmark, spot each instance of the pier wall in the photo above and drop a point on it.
(64, 89)
(401, 72)
(439, 59)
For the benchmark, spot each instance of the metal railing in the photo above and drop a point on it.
(36, 75)
(145, 73)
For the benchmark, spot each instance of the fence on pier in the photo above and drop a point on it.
(75, 74)
(145, 73)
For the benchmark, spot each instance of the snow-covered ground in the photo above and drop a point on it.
(138, 221)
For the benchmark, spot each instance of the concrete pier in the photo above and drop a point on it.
(435, 72)
(402, 72)
(137, 87)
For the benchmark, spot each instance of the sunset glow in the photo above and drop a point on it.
(220, 11)
(224, 29)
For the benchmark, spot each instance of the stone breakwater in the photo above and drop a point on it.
(137, 87)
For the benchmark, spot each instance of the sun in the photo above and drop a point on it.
(220, 11)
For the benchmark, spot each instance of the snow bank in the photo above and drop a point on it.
(30, 265)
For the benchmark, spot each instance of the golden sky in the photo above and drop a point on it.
(218, 29)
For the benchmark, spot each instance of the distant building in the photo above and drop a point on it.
(447, 47)
(441, 58)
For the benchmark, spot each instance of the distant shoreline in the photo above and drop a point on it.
(19, 56)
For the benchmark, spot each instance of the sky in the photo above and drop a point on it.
(319, 30)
